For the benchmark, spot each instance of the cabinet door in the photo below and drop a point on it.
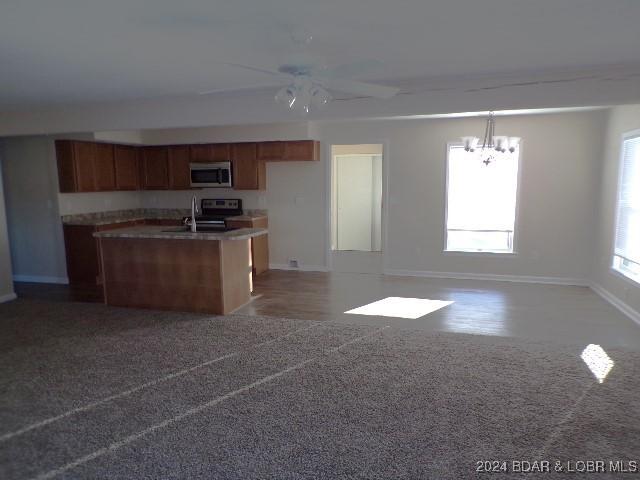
(82, 254)
(179, 174)
(259, 245)
(127, 168)
(210, 152)
(105, 172)
(66, 170)
(271, 150)
(200, 153)
(83, 160)
(248, 172)
(155, 168)
(302, 150)
(220, 152)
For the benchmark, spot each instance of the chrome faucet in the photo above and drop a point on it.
(194, 212)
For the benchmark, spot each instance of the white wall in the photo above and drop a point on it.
(561, 156)
(559, 167)
(6, 276)
(34, 206)
(621, 120)
(31, 188)
(74, 203)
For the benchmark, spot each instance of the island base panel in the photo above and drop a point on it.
(184, 275)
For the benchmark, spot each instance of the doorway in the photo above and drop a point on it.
(356, 207)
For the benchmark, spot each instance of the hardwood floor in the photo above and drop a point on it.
(58, 293)
(565, 314)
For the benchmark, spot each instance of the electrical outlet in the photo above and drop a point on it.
(293, 263)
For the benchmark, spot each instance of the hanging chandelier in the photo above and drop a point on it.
(492, 145)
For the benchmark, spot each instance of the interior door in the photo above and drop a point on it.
(354, 202)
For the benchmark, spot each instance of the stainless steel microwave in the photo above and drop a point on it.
(211, 174)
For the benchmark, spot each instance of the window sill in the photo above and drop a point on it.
(633, 280)
(464, 253)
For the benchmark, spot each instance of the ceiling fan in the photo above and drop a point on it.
(307, 84)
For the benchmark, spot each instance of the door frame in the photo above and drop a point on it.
(328, 162)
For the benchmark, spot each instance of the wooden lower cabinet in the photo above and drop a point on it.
(83, 250)
(209, 276)
(259, 245)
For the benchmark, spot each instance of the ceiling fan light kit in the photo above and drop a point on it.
(303, 94)
(492, 144)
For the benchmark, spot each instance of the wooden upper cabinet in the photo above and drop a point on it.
(220, 152)
(271, 150)
(210, 152)
(66, 168)
(76, 171)
(104, 168)
(302, 150)
(84, 155)
(91, 167)
(154, 168)
(249, 173)
(179, 173)
(292, 150)
(126, 167)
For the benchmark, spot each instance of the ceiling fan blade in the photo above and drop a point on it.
(357, 88)
(255, 69)
(240, 89)
(352, 69)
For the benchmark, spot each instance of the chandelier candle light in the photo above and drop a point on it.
(492, 144)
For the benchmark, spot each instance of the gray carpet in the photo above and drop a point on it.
(170, 395)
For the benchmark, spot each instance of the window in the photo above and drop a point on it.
(626, 253)
(481, 202)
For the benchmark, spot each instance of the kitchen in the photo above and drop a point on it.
(97, 242)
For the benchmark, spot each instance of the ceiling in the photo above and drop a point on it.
(56, 53)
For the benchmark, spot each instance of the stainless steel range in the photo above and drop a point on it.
(214, 212)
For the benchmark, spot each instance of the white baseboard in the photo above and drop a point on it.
(8, 297)
(40, 279)
(301, 268)
(494, 278)
(616, 302)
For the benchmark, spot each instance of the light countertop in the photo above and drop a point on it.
(247, 217)
(122, 216)
(166, 233)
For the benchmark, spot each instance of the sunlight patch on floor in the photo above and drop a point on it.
(401, 307)
(598, 361)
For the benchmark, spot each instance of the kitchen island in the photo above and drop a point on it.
(163, 268)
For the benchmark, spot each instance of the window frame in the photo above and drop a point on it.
(516, 229)
(617, 271)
